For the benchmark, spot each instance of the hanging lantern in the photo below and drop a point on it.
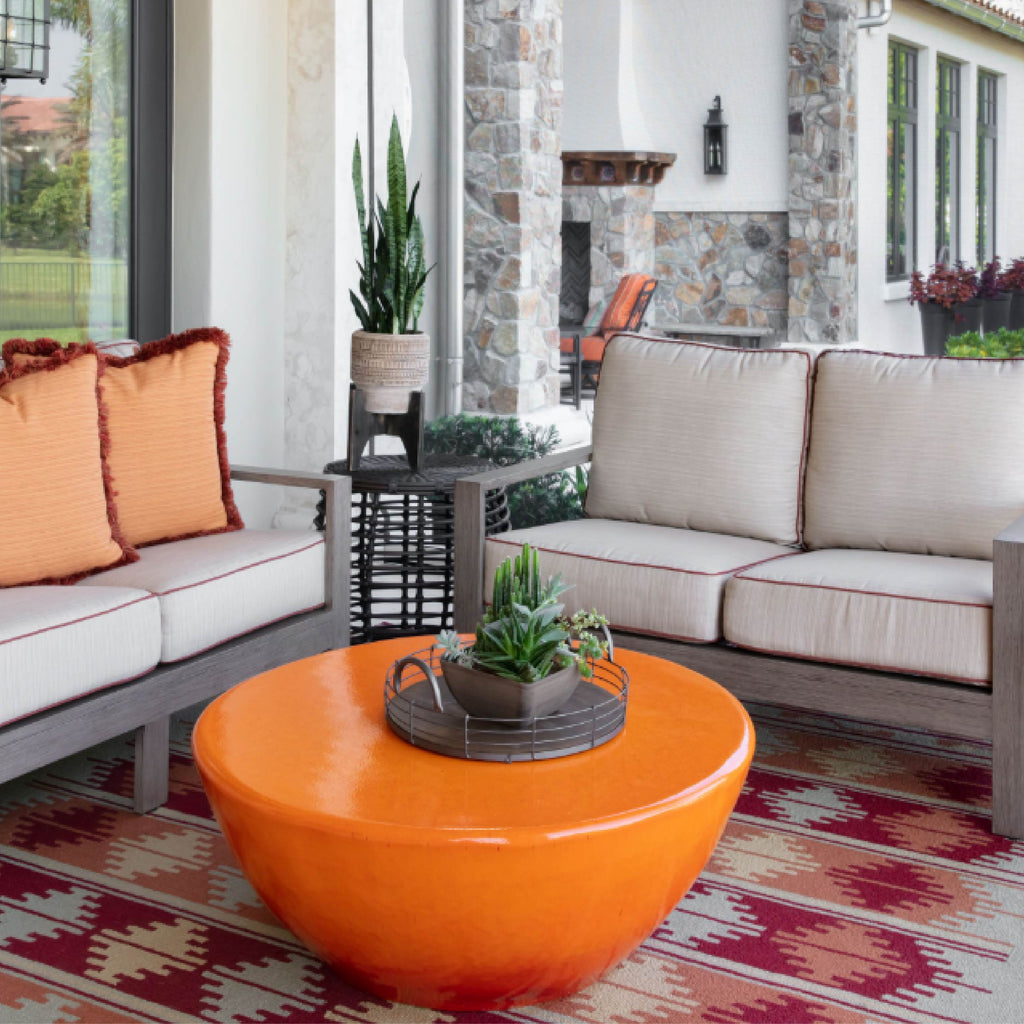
(715, 132)
(24, 39)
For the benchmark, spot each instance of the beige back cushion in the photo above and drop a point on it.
(702, 437)
(916, 454)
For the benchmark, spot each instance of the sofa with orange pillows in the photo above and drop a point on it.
(129, 585)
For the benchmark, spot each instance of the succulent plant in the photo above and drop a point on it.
(524, 634)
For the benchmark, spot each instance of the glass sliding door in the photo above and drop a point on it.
(66, 182)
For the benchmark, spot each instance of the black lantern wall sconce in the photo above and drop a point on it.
(24, 39)
(715, 136)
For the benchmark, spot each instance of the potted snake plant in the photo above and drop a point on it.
(528, 656)
(390, 354)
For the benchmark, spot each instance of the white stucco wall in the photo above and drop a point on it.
(229, 210)
(885, 319)
(641, 74)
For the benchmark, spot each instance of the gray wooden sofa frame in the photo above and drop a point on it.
(146, 704)
(995, 715)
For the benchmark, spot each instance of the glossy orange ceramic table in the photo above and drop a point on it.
(458, 884)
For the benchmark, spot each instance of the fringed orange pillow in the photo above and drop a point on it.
(168, 451)
(57, 517)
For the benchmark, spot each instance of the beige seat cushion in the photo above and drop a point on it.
(217, 587)
(910, 453)
(702, 437)
(923, 614)
(59, 643)
(647, 579)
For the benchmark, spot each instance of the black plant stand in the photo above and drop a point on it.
(403, 541)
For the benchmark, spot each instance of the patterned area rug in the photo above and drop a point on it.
(857, 881)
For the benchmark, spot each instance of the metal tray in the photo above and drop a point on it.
(421, 710)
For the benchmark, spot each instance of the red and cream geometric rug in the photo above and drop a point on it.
(857, 881)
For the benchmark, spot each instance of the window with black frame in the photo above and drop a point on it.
(986, 181)
(901, 187)
(85, 178)
(947, 162)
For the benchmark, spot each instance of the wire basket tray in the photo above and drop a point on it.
(420, 709)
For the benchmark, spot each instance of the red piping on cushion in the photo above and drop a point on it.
(241, 568)
(646, 565)
(662, 636)
(83, 618)
(869, 593)
(805, 443)
(244, 632)
(24, 347)
(79, 696)
(58, 359)
(911, 355)
(860, 664)
(173, 343)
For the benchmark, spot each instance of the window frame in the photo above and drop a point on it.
(985, 198)
(149, 277)
(901, 123)
(948, 138)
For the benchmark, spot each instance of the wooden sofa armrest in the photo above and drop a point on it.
(1008, 680)
(470, 523)
(337, 531)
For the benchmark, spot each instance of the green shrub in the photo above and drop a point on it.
(504, 441)
(1001, 344)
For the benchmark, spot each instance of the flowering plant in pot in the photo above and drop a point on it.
(390, 355)
(1012, 281)
(527, 657)
(947, 300)
(995, 300)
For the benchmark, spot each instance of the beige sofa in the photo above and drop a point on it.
(845, 536)
(124, 649)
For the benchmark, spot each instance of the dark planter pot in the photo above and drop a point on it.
(1017, 311)
(484, 695)
(967, 317)
(936, 327)
(996, 312)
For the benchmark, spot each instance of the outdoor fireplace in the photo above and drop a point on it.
(607, 223)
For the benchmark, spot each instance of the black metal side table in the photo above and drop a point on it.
(403, 541)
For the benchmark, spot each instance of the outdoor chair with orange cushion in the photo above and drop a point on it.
(581, 355)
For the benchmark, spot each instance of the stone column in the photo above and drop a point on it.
(822, 171)
(513, 76)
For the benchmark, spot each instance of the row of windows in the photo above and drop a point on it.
(902, 150)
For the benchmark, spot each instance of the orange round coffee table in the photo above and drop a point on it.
(461, 884)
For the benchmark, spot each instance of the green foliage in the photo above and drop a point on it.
(1001, 344)
(393, 271)
(84, 205)
(524, 635)
(505, 441)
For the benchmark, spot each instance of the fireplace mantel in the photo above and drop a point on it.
(615, 168)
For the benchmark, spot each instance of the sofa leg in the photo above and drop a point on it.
(1007, 777)
(152, 764)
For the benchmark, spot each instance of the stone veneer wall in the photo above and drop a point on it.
(621, 219)
(722, 268)
(822, 171)
(513, 90)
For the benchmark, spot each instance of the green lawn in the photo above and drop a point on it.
(47, 293)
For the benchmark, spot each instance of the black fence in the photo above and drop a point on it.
(56, 295)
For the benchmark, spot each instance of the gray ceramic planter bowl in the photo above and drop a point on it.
(484, 695)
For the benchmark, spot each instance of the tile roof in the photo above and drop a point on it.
(40, 114)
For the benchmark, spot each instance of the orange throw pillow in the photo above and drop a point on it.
(56, 514)
(168, 451)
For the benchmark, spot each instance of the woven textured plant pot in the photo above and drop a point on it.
(485, 695)
(387, 368)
